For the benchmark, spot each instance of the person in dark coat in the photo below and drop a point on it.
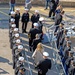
(17, 17)
(68, 61)
(59, 34)
(25, 20)
(14, 38)
(36, 41)
(12, 16)
(44, 64)
(72, 68)
(66, 52)
(58, 20)
(63, 37)
(52, 8)
(40, 22)
(32, 33)
(13, 26)
(19, 52)
(35, 17)
(15, 47)
(67, 38)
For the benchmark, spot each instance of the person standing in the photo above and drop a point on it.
(25, 19)
(35, 17)
(52, 8)
(46, 4)
(17, 17)
(32, 33)
(36, 41)
(44, 64)
(19, 63)
(58, 20)
(38, 54)
(12, 5)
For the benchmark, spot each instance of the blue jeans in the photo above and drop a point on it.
(46, 4)
(12, 7)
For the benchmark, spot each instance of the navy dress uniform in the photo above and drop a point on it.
(12, 26)
(14, 38)
(19, 63)
(19, 52)
(12, 15)
(11, 32)
(12, 21)
(41, 21)
(35, 17)
(21, 71)
(25, 19)
(32, 33)
(15, 47)
(17, 17)
(44, 64)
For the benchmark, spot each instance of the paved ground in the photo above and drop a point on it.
(5, 52)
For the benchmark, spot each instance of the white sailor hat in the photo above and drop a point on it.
(18, 41)
(41, 18)
(45, 54)
(13, 25)
(35, 24)
(12, 12)
(37, 11)
(20, 47)
(26, 9)
(12, 20)
(17, 35)
(21, 58)
(16, 29)
(18, 9)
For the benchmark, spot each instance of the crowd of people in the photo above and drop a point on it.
(35, 35)
(18, 52)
